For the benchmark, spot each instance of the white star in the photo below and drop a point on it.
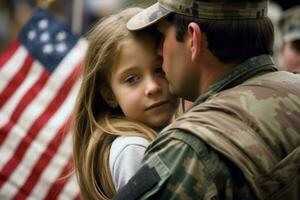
(31, 35)
(61, 47)
(43, 24)
(45, 37)
(61, 36)
(47, 49)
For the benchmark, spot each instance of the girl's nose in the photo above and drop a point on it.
(152, 87)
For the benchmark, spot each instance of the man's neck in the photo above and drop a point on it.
(214, 69)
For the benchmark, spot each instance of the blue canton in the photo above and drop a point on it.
(47, 39)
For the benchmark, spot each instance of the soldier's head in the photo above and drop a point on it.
(197, 32)
(290, 28)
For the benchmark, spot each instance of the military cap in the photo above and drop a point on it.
(202, 9)
(140, 3)
(290, 24)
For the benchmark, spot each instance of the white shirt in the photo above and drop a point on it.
(126, 154)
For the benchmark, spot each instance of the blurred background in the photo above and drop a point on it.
(82, 14)
(79, 14)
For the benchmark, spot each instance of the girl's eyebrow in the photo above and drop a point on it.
(127, 70)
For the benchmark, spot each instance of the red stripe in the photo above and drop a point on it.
(26, 99)
(31, 134)
(58, 186)
(43, 161)
(8, 53)
(77, 197)
(16, 81)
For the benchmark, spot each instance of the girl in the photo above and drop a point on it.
(123, 101)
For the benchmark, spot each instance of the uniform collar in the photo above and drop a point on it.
(242, 72)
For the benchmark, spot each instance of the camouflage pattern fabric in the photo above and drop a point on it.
(240, 140)
(209, 9)
(256, 126)
(147, 17)
(290, 24)
(190, 169)
(133, 3)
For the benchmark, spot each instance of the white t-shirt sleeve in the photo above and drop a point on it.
(125, 158)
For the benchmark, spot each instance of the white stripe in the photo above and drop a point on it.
(54, 168)
(12, 67)
(7, 109)
(71, 189)
(72, 59)
(38, 146)
(41, 102)
(5, 194)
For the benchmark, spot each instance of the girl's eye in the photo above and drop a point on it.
(131, 79)
(160, 71)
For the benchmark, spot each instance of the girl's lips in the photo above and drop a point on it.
(157, 104)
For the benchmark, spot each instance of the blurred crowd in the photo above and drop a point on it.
(15, 13)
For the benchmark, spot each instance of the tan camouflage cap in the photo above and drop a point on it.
(205, 9)
(290, 24)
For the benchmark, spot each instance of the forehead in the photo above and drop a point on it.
(135, 52)
(135, 46)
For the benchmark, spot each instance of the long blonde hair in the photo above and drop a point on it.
(96, 125)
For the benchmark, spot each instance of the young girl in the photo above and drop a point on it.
(123, 101)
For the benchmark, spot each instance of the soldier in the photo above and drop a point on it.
(240, 139)
(290, 27)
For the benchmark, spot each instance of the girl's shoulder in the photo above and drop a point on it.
(125, 157)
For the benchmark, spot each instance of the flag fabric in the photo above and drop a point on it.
(39, 81)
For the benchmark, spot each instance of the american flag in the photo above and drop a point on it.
(39, 81)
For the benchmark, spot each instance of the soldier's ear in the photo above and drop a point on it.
(108, 96)
(194, 39)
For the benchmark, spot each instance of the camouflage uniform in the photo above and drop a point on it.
(255, 125)
(239, 140)
(251, 118)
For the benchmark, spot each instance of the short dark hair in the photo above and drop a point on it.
(230, 40)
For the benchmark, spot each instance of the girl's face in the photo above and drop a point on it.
(139, 85)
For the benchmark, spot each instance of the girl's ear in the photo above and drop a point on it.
(194, 33)
(109, 97)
